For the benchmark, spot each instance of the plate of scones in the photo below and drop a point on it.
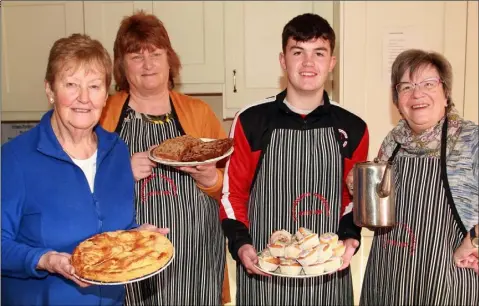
(190, 151)
(302, 255)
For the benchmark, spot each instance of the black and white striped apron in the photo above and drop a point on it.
(170, 198)
(412, 264)
(299, 183)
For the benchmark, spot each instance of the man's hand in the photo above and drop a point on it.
(249, 258)
(351, 246)
(466, 255)
(204, 175)
(59, 263)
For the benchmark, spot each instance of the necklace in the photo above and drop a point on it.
(157, 119)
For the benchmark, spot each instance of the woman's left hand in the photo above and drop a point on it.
(351, 245)
(205, 175)
(466, 255)
(152, 228)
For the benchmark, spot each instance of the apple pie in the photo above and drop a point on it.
(121, 255)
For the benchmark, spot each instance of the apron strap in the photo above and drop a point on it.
(395, 152)
(123, 114)
(445, 181)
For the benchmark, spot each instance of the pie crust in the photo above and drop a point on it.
(121, 255)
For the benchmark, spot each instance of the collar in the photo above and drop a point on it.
(323, 109)
(48, 143)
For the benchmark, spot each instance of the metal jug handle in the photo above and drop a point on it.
(384, 188)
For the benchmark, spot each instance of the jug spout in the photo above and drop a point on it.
(384, 188)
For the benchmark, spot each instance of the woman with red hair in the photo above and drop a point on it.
(145, 112)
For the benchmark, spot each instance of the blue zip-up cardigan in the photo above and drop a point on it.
(47, 205)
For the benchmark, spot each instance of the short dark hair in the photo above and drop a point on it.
(306, 27)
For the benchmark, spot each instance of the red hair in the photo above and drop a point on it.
(138, 32)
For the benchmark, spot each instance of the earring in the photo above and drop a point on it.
(51, 100)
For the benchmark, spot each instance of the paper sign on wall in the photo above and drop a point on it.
(394, 42)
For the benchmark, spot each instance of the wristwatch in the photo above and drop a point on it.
(474, 238)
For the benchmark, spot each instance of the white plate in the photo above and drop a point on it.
(89, 281)
(174, 163)
(301, 275)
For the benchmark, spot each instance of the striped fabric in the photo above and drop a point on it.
(412, 264)
(305, 192)
(170, 198)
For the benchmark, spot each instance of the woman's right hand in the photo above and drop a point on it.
(249, 258)
(59, 263)
(141, 165)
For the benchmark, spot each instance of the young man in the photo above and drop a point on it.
(292, 155)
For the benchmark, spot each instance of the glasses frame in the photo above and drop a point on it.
(414, 85)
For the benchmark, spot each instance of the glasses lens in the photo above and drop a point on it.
(429, 84)
(404, 87)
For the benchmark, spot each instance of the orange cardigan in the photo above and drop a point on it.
(198, 120)
(195, 116)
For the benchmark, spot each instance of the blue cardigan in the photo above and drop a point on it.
(47, 205)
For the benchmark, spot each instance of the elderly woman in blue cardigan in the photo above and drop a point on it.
(429, 257)
(63, 181)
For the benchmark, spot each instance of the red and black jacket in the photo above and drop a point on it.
(252, 129)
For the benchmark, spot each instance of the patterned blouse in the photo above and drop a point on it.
(462, 159)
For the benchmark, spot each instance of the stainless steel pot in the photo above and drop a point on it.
(373, 194)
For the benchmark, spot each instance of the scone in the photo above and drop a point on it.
(324, 252)
(277, 249)
(314, 269)
(308, 257)
(302, 232)
(292, 251)
(268, 262)
(333, 264)
(290, 266)
(339, 250)
(329, 238)
(309, 241)
(281, 235)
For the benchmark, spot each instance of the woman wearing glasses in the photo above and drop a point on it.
(430, 256)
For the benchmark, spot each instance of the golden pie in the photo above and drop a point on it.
(121, 255)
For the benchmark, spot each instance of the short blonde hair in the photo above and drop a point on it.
(415, 59)
(137, 32)
(76, 51)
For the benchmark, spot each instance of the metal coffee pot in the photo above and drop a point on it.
(373, 194)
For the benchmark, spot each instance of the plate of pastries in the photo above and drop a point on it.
(121, 257)
(187, 150)
(302, 255)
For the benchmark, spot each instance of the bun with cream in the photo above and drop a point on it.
(290, 266)
(329, 238)
(333, 264)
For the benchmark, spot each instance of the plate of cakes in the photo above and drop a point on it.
(302, 255)
(188, 151)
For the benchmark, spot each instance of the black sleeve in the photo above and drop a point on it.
(347, 229)
(237, 234)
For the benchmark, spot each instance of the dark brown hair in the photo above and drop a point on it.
(306, 27)
(77, 50)
(137, 32)
(414, 60)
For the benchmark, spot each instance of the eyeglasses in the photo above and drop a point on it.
(404, 88)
